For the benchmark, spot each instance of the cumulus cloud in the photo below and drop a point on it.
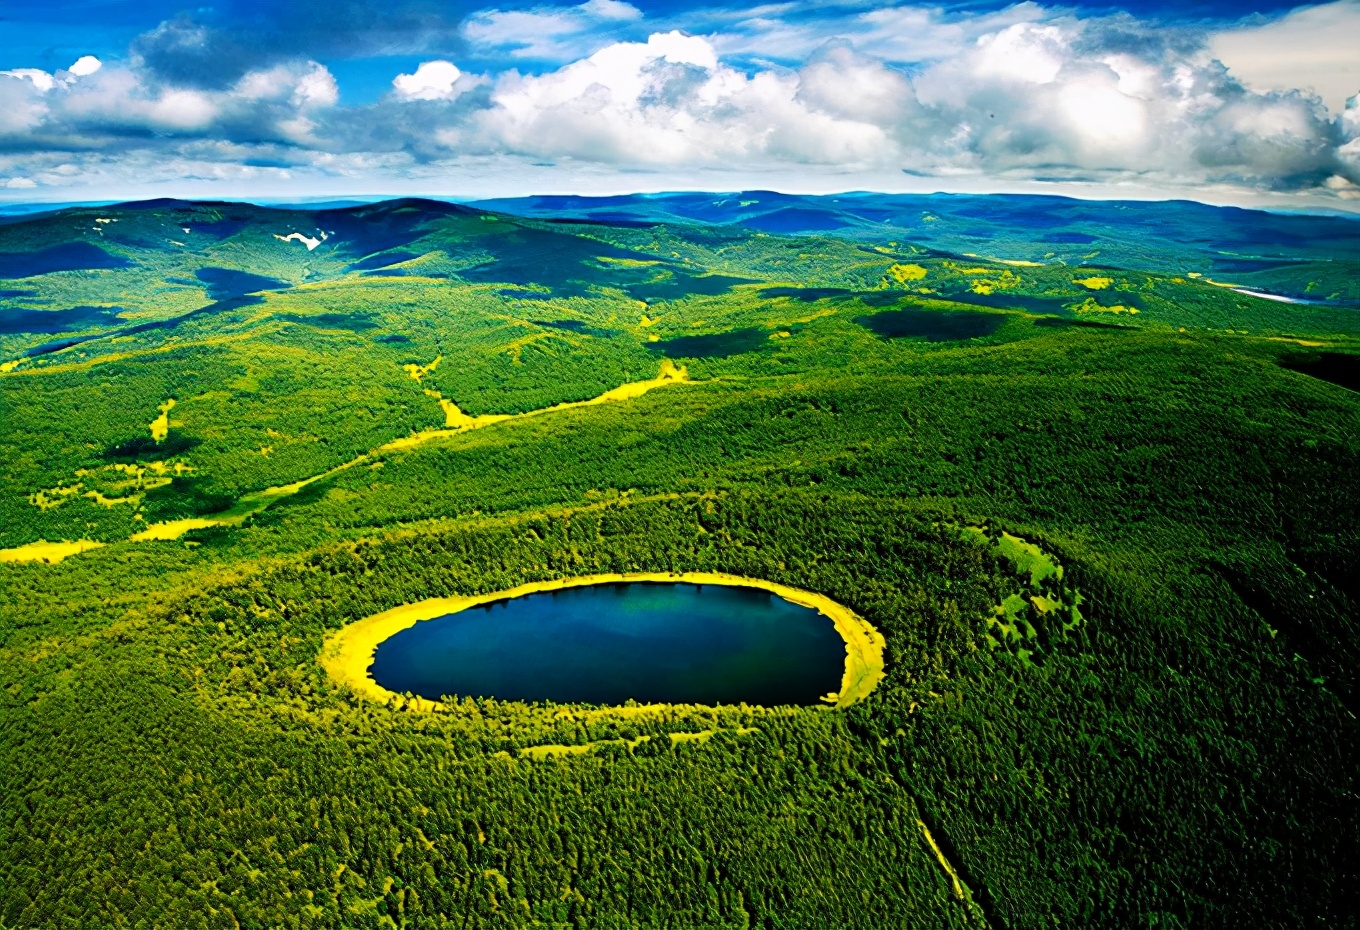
(433, 80)
(1021, 94)
(1315, 48)
(85, 65)
(41, 80)
(90, 106)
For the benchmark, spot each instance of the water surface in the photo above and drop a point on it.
(655, 642)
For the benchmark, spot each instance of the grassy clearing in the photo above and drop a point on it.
(172, 529)
(160, 427)
(1029, 558)
(552, 751)
(49, 552)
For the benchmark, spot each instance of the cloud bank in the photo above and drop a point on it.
(1027, 95)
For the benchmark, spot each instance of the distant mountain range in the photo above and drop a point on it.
(1302, 256)
(1272, 250)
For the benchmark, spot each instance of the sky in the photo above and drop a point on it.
(1249, 103)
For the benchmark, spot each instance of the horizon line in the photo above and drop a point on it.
(17, 207)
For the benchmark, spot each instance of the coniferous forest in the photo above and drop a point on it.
(1103, 509)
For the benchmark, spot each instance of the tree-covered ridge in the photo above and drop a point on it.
(1112, 563)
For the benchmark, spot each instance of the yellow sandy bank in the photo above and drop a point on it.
(348, 653)
(49, 552)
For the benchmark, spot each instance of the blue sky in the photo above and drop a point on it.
(1224, 102)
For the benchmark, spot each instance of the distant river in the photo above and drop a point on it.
(673, 643)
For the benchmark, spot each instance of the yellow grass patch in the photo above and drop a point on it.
(348, 653)
(1307, 343)
(516, 347)
(49, 552)
(9, 366)
(1089, 305)
(418, 372)
(456, 421)
(101, 500)
(1094, 283)
(55, 497)
(954, 879)
(580, 749)
(626, 262)
(904, 273)
(172, 529)
(160, 427)
(703, 736)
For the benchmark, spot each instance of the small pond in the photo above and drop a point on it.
(654, 642)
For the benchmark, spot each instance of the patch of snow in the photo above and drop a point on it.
(299, 237)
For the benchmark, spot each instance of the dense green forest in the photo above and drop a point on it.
(1176, 746)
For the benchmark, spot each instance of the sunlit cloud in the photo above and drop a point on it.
(1022, 95)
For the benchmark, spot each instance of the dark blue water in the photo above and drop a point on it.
(606, 643)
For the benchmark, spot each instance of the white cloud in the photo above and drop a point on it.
(670, 101)
(301, 85)
(1315, 48)
(45, 82)
(21, 184)
(182, 110)
(903, 34)
(85, 65)
(1024, 52)
(433, 80)
(549, 33)
(39, 79)
(316, 88)
(1000, 98)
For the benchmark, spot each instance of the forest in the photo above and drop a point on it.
(223, 446)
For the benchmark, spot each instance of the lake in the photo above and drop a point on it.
(673, 643)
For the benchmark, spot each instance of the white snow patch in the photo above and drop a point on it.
(299, 237)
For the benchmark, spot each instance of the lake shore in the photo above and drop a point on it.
(348, 653)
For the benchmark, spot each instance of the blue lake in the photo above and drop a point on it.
(674, 643)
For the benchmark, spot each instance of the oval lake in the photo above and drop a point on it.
(672, 643)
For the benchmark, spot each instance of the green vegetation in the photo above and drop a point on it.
(1113, 565)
